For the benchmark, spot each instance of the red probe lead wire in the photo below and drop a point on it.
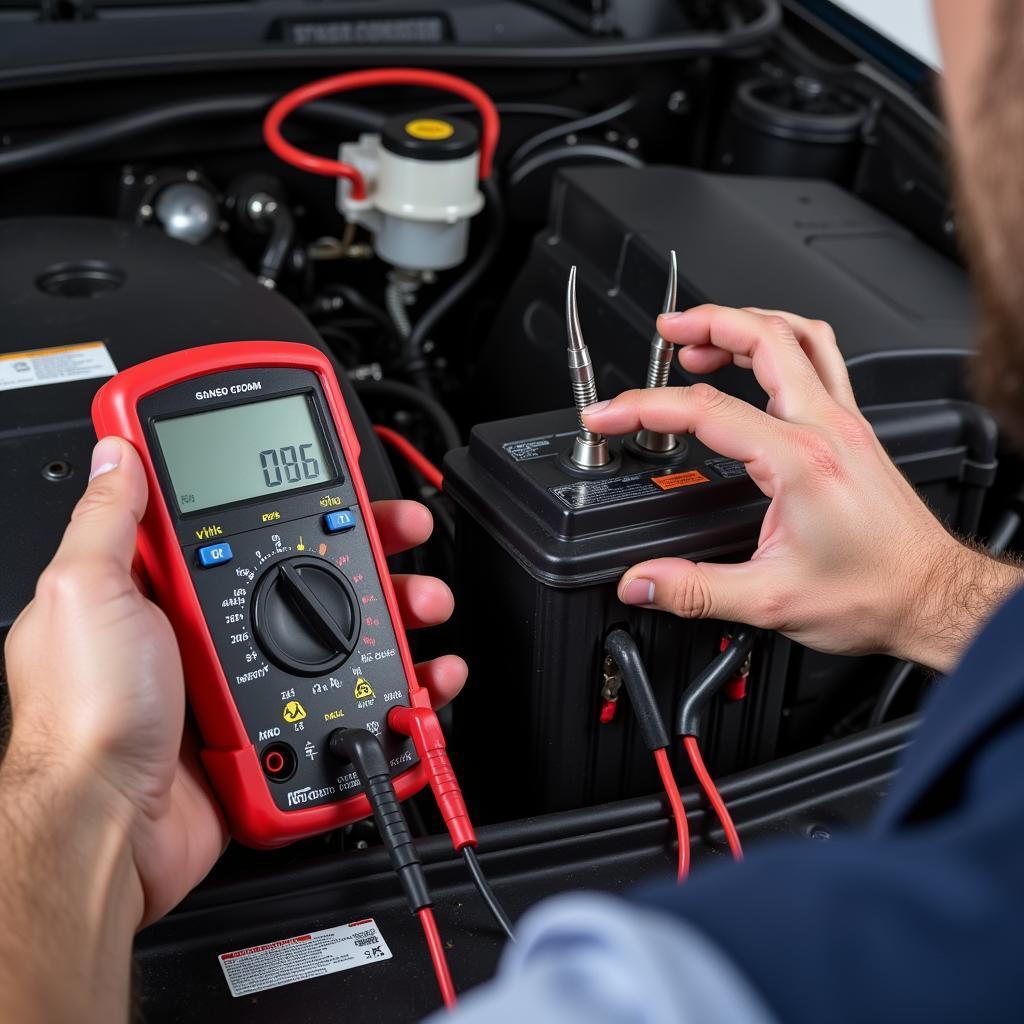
(714, 797)
(490, 123)
(412, 455)
(675, 801)
(437, 957)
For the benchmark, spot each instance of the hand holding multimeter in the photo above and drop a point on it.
(259, 545)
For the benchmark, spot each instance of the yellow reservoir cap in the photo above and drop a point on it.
(430, 129)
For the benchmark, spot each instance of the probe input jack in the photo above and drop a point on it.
(279, 762)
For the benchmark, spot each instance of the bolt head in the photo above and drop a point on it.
(678, 101)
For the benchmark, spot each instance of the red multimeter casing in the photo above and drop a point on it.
(266, 679)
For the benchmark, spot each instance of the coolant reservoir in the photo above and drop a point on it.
(422, 189)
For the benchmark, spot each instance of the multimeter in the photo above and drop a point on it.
(260, 546)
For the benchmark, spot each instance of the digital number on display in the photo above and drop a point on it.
(289, 465)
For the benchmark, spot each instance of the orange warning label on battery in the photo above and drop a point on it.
(674, 480)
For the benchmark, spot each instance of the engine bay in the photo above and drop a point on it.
(538, 169)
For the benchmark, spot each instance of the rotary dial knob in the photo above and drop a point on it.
(305, 616)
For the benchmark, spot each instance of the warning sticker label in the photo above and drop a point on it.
(535, 447)
(301, 957)
(674, 480)
(41, 366)
(588, 493)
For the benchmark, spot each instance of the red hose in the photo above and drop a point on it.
(412, 455)
(437, 957)
(290, 102)
(714, 797)
(675, 801)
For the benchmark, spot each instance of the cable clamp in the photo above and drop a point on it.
(611, 684)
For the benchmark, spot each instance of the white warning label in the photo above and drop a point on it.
(535, 447)
(40, 366)
(301, 957)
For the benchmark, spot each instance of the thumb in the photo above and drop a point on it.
(695, 590)
(104, 522)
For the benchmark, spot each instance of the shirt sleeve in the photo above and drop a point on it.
(593, 959)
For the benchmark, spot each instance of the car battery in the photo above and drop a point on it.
(540, 548)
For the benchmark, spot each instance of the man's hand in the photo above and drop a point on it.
(849, 559)
(96, 680)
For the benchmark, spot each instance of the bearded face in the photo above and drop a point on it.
(985, 100)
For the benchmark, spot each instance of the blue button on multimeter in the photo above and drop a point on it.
(214, 554)
(342, 519)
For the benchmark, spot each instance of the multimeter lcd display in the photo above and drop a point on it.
(246, 451)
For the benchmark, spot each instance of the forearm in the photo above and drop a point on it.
(70, 896)
(958, 589)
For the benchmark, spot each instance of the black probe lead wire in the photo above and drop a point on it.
(487, 894)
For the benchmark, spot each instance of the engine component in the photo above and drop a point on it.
(129, 294)
(187, 211)
(414, 185)
(799, 127)
(902, 313)
(421, 179)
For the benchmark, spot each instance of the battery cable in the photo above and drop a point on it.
(723, 670)
(623, 650)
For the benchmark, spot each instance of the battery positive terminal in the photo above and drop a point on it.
(589, 449)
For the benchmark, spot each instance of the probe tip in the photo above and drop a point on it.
(669, 305)
(572, 317)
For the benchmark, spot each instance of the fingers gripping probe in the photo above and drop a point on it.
(590, 449)
(659, 365)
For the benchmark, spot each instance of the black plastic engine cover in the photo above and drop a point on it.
(902, 313)
(66, 281)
